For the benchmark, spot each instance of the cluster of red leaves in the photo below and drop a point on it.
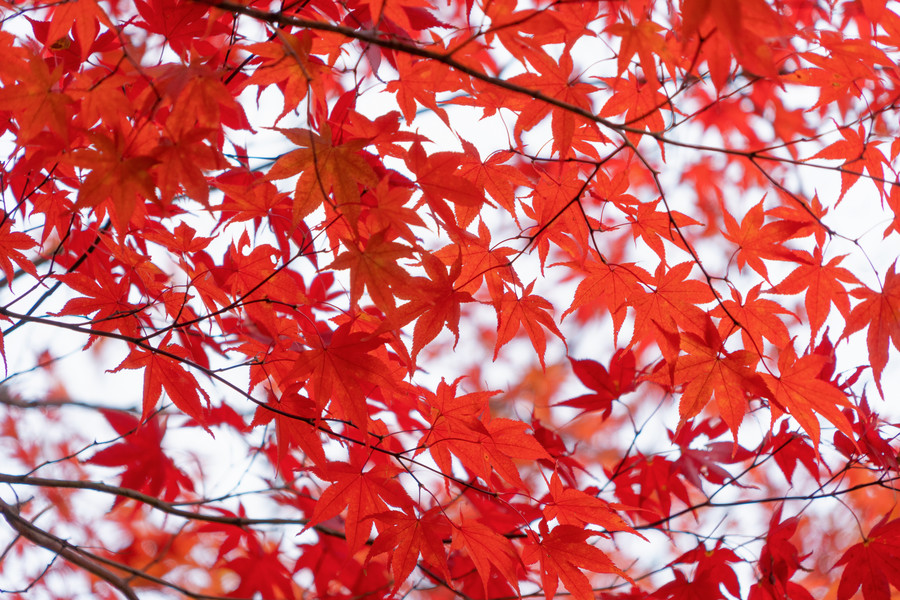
(338, 276)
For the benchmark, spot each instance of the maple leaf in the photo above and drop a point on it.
(11, 244)
(655, 226)
(563, 553)
(293, 426)
(880, 312)
(459, 425)
(436, 302)
(789, 448)
(712, 573)
(558, 219)
(119, 173)
(837, 75)
(607, 385)
(147, 468)
(758, 240)
(103, 295)
(778, 561)
(180, 22)
(492, 175)
(374, 266)
(261, 570)
(639, 101)
(290, 66)
(529, 311)
(857, 155)
(363, 494)
(706, 463)
(822, 285)
(163, 372)
(646, 486)
(611, 285)
(758, 319)
(873, 564)
(440, 178)
(324, 167)
(554, 79)
(407, 536)
(34, 99)
(385, 208)
(750, 28)
(481, 263)
(341, 371)
(487, 549)
(574, 507)
(418, 80)
(85, 15)
(670, 306)
(644, 39)
(799, 390)
(706, 369)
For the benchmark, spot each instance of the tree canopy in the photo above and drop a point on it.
(422, 299)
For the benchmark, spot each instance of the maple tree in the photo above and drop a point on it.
(483, 299)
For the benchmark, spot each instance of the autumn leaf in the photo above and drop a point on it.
(713, 572)
(164, 372)
(529, 311)
(488, 550)
(707, 370)
(799, 391)
(118, 174)
(607, 385)
(341, 371)
(294, 417)
(880, 312)
(873, 564)
(289, 66)
(822, 285)
(758, 319)
(11, 245)
(147, 468)
(406, 536)
(482, 263)
(374, 266)
(363, 493)
(555, 79)
(434, 302)
(857, 155)
(758, 240)
(563, 553)
(644, 39)
(574, 507)
(612, 286)
(31, 94)
(324, 168)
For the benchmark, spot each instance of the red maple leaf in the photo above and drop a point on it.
(362, 493)
(873, 564)
(563, 552)
(607, 385)
(880, 312)
(147, 467)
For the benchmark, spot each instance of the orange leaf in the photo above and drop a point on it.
(487, 549)
(799, 390)
(530, 311)
(363, 493)
(563, 553)
(880, 312)
(706, 369)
